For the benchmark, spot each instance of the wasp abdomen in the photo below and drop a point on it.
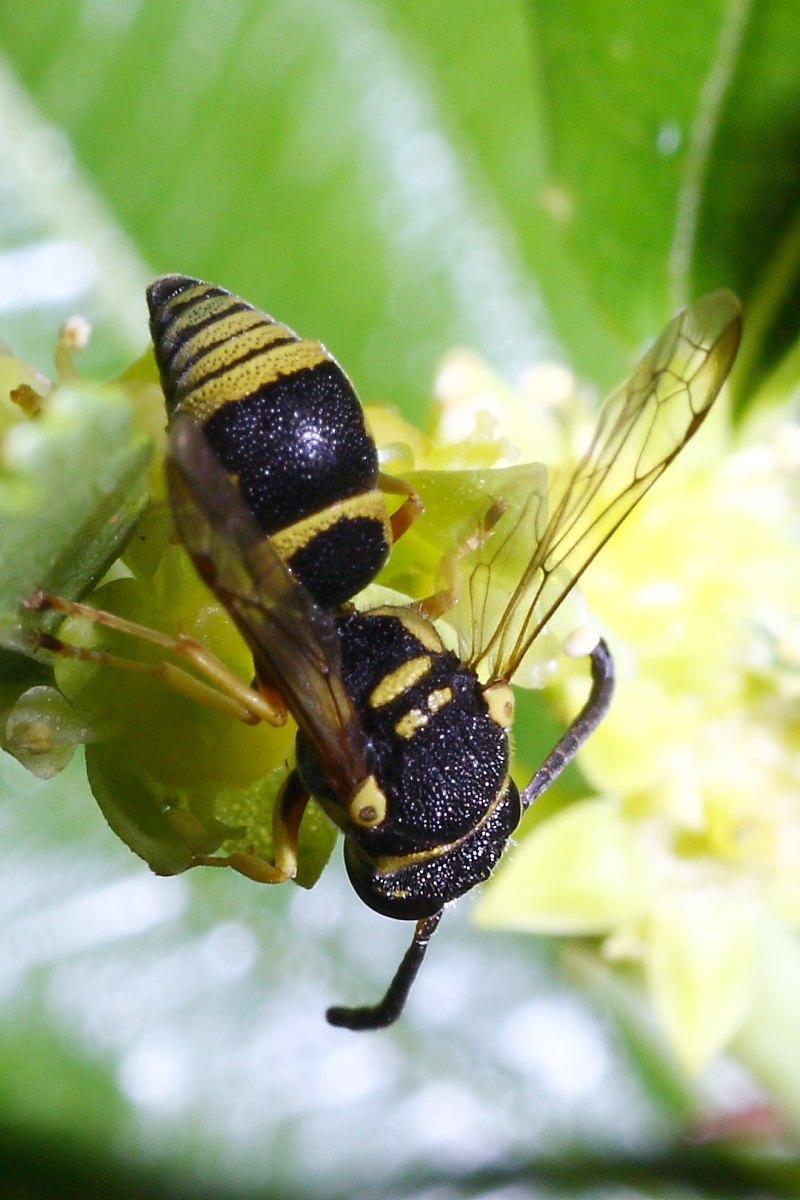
(283, 419)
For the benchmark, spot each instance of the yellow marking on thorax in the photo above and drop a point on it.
(499, 699)
(415, 624)
(417, 718)
(242, 379)
(394, 683)
(439, 698)
(368, 806)
(371, 505)
(413, 720)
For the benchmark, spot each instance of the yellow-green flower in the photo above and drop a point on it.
(688, 850)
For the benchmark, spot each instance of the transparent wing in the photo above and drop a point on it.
(641, 428)
(294, 643)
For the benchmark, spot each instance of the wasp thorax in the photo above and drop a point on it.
(368, 805)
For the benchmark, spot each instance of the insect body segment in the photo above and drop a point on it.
(440, 759)
(283, 419)
(275, 490)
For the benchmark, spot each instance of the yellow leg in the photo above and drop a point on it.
(408, 511)
(286, 817)
(225, 691)
(435, 606)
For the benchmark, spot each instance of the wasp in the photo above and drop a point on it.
(276, 494)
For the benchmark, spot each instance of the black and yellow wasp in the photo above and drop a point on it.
(276, 492)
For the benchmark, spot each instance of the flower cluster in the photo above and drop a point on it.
(685, 858)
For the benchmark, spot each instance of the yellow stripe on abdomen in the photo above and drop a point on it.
(235, 380)
(205, 342)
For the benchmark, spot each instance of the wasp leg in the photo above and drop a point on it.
(409, 510)
(286, 817)
(440, 602)
(585, 723)
(226, 691)
(378, 1016)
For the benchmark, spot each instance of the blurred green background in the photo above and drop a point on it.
(533, 180)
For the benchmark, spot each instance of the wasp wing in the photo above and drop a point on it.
(294, 642)
(641, 428)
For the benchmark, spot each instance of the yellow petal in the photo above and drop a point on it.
(579, 872)
(700, 963)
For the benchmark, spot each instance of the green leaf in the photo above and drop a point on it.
(748, 223)
(672, 169)
(308, 163)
